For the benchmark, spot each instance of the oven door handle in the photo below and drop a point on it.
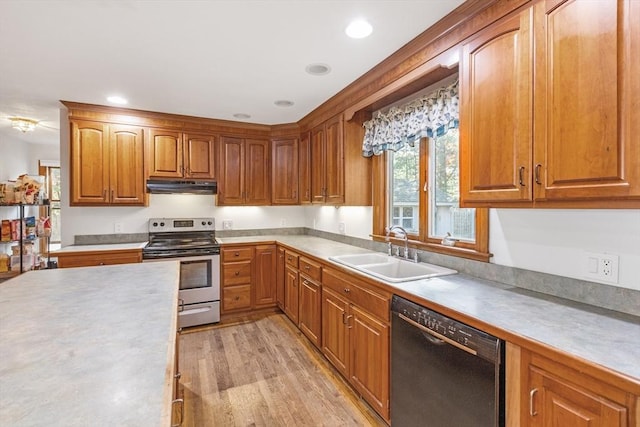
(437, 335)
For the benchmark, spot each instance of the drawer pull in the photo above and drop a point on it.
(237, 298)
(347, 290)
(237, 273)
(236, 254)
(306, 267)
(289, 258)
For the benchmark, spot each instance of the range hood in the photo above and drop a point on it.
(158, 186)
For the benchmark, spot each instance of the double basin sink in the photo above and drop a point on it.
(391, 269)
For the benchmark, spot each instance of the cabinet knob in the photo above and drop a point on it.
(347, 290)
(236, 254)
(237, 298)
(237, 273)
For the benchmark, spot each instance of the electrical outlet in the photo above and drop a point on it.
(227, 224)
(117, 227)
(342, 228)
(602, 267)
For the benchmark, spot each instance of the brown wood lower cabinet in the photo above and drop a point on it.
(557, 395)
(355, 335)
(291, 293)
(248, 277)
(96, 258)
(310, 300)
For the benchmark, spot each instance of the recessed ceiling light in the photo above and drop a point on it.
(283, 103)
(318, 69)
(115, 99)
(358, 29)
(241, 116)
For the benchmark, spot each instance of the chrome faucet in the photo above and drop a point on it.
(399, 232)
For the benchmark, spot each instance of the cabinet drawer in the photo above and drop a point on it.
(310, 269)
(358, 293)
(96, 258)
(236, 298)
(237, 254)
(236, 273)
(291, 258)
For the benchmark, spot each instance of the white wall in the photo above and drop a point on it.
(555, 241)
(358, 220)
(14, 160)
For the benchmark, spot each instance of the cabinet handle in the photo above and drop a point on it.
(237, 273)
(521, 176)
(236, 254)
(181, 402)
(532, 411)
(177, 376)
(112, 195)
(104, 195)
(349, 317)
(295, 194)
(306, 267)
(180, 305)
(344, 318)
(237, 298)
(294, 282)
(289, 258)
(347, 290)
(537, 174)
(306, 194)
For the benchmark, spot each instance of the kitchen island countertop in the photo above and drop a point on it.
(596, 335)
(101, 247)
(88, 346)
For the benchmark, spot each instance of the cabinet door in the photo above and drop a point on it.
(89, 162)
(495, 113)
(264, 283)
(369, 342)
(335, 339)
(585, 78)
(334, 161)
(126, 185)
(284, 177)
(199, 156)
(291, 294)
(559, 403)
(280, 279)
(165, 154)
(258, 172)
(304, 167)
(310, 308)
(318, 167)
(232, 163)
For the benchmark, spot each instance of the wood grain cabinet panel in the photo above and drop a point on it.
(549, 108)
(245, 172)
(291, 294)
(356, 339)
(106, 164)
(284, 179)
(98, 258)
(310, 307)
(280, 278)
(173, 154)
(327, 157)
(557, 395)
(585, 90)
(304, 168)
(264, 286)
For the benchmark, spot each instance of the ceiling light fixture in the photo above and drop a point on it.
(318, 69)
(241, 116)
(115, 99)
(283, 103)
(359, 29)
(22, 124)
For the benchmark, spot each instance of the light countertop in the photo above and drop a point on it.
(88, 346)
(600, 336)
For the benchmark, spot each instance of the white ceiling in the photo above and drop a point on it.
(207, 58)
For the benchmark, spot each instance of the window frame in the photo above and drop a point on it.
(478, 250)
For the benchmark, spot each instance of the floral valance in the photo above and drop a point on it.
(428, 116)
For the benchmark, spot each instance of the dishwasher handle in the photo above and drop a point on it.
(437, 335)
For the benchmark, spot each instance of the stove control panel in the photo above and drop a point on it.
(167, 225)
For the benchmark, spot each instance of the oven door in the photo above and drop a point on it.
(199, 279)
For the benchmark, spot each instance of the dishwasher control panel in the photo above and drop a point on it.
(447, 329)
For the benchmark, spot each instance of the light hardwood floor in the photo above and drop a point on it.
(263, 372)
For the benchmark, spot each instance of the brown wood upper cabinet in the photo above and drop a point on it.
(304, 168)
(173, 154)
(106, 164)
(547, 108)
(245, 175)
(284, 177)
(327, 158)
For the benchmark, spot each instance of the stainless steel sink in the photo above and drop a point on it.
(391, 269)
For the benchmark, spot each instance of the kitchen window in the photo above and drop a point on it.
(417, 185)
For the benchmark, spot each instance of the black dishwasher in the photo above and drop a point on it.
(443, 373)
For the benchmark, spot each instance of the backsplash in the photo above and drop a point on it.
(620, 299)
